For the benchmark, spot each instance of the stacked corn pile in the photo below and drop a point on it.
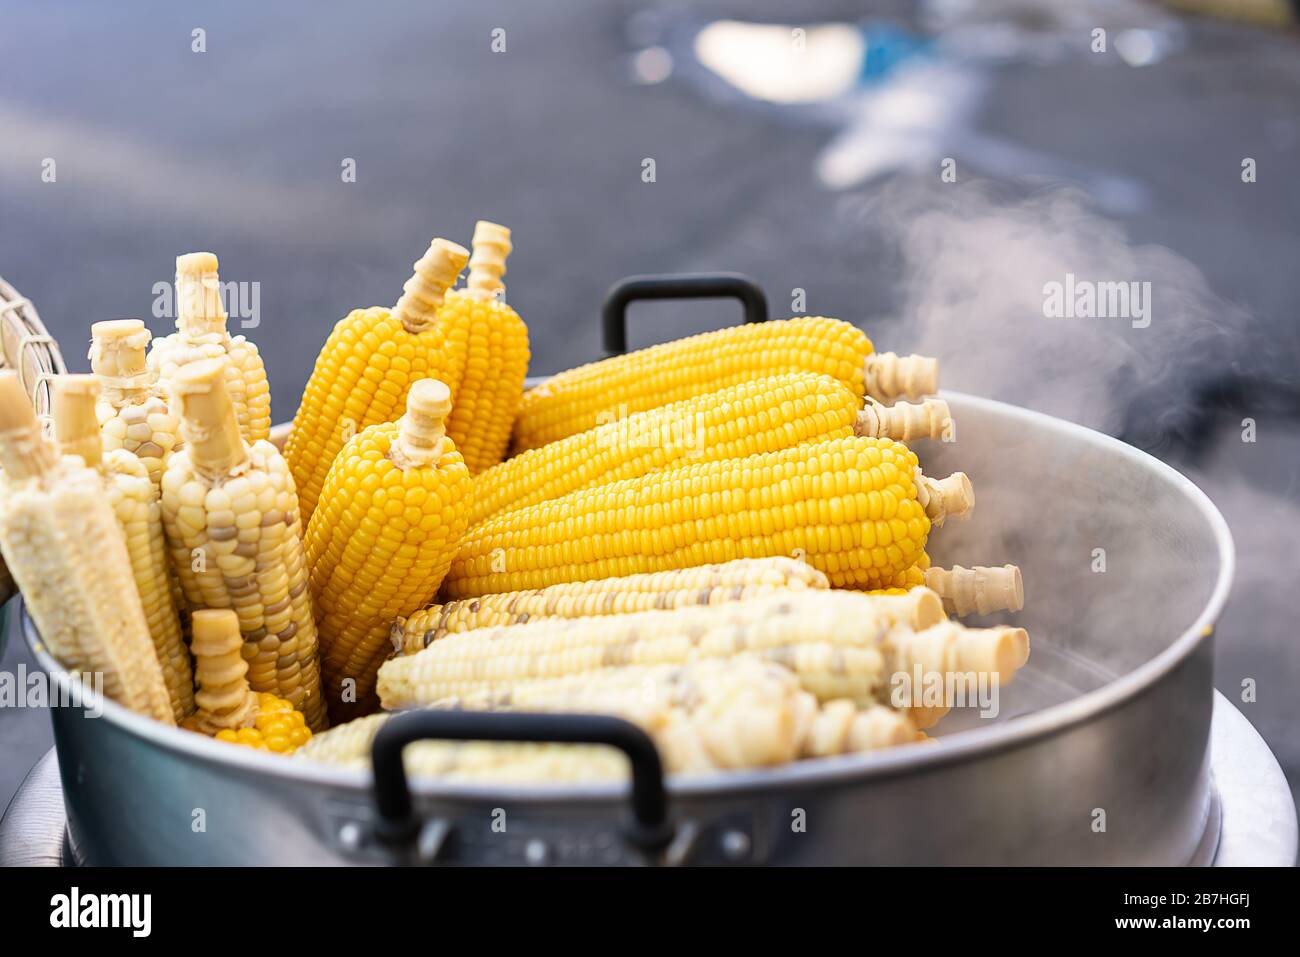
(721, 502)
(723, 538)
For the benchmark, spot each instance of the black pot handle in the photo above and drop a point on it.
(718, 285)
(398, 823)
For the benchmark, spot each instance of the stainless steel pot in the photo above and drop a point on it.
(1098, 755)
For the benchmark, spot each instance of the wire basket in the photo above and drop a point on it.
(27, 347)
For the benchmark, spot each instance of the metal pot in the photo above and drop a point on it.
(1099, 753)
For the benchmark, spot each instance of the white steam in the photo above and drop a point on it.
(974, 268)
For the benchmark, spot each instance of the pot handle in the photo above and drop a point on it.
(398, 823)
(717, 285)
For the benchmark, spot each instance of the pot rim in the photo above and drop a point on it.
(957, 747)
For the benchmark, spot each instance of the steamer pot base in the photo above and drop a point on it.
(1099, 753)
(1253, 824)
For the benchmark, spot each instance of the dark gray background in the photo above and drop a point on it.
(238, 150)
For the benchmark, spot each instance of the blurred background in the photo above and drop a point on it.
(918, 168)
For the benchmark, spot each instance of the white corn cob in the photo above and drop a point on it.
(133, 413)
(201, 334)
(230, 512)
(700, 585)
(704, 716)
(840, 644)
(63, 546)
(135, 503)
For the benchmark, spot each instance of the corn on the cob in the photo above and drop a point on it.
(231, 517)
(979, 590)
(839, 644)
(135, 503)
(576, 400)
(757, 415)
(133, 413)
(391, 513)
(703, 585)
(478, 761)
(201, 334)
(493, 342)
(706, 715)
(557, 647)
(228, 708)
(366, 366)
(64, 549)
(851, 507)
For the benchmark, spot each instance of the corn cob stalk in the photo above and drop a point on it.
(850, 507)
(906, 422)
(763, 415)
(201, 334)
(135, 504)
(889, 376)
(230, 513)
(703, 585)
(64, 549)
(493, 342)
(390, 515)
(367, 365)
(703, 716)
(229, 709)
(839, 644)
(133, 413)
(979, 590)
(582, 398)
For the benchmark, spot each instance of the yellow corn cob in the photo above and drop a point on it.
(914, 577)
(231, 517)
(851, 507)
(702, 585)
(133, 413)
(582, 398)
(493, 342)
(367, 365)
(979, 590)
(703, 716)
(202, 334)
(839, 644)
(64, 549)
(390, 515)
(759, 415)
(228, 709)
(134, 500)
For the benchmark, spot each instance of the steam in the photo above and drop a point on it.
(974, 270)
(972, 266)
